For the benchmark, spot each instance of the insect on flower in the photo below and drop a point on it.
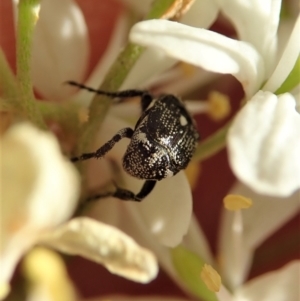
(162, 143)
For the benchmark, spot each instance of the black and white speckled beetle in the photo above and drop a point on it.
(162, 143)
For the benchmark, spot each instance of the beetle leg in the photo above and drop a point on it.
(99, 153)
(145, 101)
(146, 189)
(127, 195)
(121, 94)
(146, 97)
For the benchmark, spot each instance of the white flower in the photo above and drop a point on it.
(39, 187)
(40, 190)
(252, 64)
(239, 238)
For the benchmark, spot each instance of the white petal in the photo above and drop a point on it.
(256, 22)
(203, 48)
(196, 241)
(60, 47)
(107, 245)
(286, 62)
(201, 14)
(39, 190)
(234, 252)
(269, 213)
(167, 210)
(264, 144)
(280, 285)
(128, 219)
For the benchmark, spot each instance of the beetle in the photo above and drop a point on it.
(162, 143)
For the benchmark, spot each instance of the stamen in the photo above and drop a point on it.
(4, 290)
(218, 105)
(188, 70)
(45, 268)
(83, 115)
(235, 202)
(211, 278)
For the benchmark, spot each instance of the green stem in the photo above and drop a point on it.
(27, 18)
(64, 114)
(212, 145)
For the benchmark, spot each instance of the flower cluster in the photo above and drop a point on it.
(43, 202)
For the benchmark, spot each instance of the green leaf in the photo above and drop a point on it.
(188, 266)
(292, 80)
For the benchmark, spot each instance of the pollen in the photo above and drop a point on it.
(211, 278)
(218, 105)
(235, 202)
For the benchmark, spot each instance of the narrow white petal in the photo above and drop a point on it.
(201, 14)
(280, 285)
(269, 213)
(286, 62)
(203, 48)
(151, 63)
(60, 47)
(107, 245)
(264, 144)
(256, 22)
(234, 252)
(40, 189)
(116, 42)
